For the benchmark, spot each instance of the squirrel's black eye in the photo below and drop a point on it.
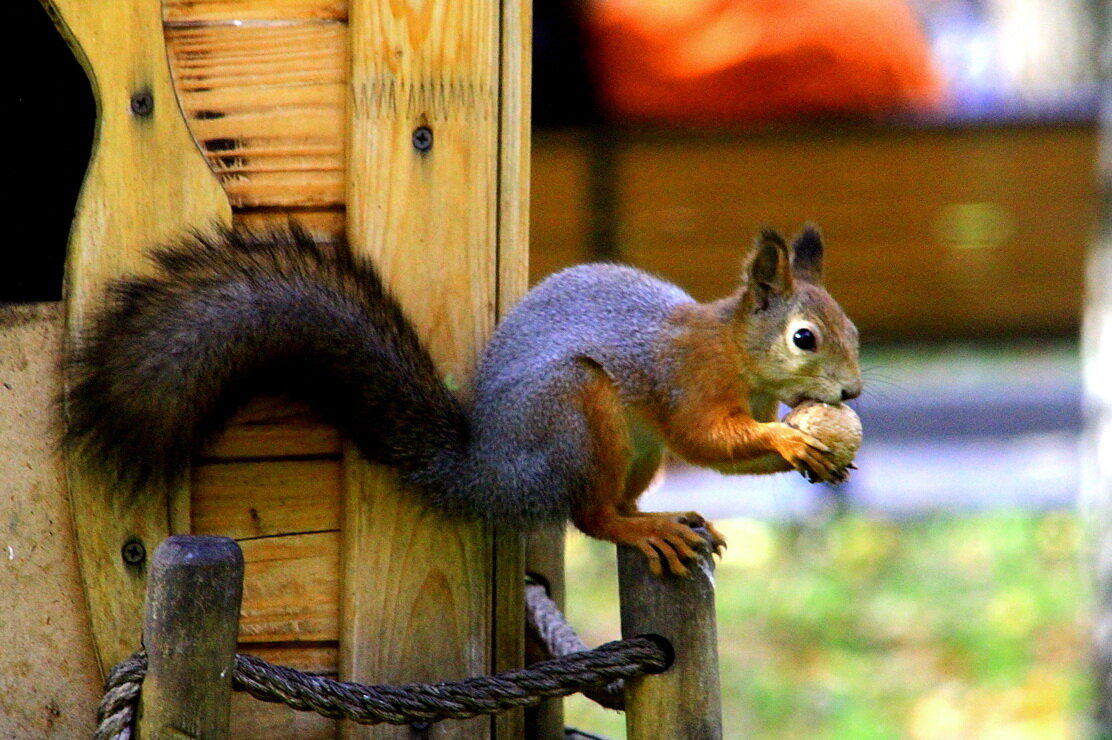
(805, 340)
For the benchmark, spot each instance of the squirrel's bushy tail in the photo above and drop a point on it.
(171, 356)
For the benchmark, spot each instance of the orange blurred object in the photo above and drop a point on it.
(718, 61)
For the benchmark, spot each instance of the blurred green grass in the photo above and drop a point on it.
(957, 626)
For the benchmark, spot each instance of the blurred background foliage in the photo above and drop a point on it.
(948, 149)
(859, 626)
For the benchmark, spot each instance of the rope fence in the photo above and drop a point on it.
(599, 673)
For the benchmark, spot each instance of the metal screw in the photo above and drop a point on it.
(142, 103)
(133, 552)
(422, 138)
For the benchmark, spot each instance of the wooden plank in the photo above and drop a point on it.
(684, 702)
(190, 638)
(311, 657)
(416, 599)
(190, 12)
(255, 720)
(266, 498)
(275, 427)
(325, 223)
(266, 103)
(431, 220)
(514, 143)
(146, 183)
(291, 589)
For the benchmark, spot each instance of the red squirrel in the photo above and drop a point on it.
(583, 386)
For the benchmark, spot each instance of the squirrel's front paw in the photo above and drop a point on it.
(668, 538)
(805, 453)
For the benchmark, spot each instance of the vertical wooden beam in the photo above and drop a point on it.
(147, 182)
(436, 191)
(685, 701)
(544, 559)
(514, 137)
(192, 621)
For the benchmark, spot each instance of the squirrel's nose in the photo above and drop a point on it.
(851, 392)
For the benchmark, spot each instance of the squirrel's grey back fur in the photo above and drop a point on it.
(533, 369)
(171, 356)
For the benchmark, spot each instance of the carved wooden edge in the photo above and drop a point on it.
(146, 182)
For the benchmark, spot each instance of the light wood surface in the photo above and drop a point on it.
(146, 182)
(418, 591)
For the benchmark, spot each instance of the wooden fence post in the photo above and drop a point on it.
(192, 621)
(684, 702)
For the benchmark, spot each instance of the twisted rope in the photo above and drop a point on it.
(547, 622)
(575, 669)
(116, 713)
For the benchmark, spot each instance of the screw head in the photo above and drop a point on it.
(422, 138)
(142, 103)
(133, 552)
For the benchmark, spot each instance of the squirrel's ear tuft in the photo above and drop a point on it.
(807, 255)
(769, 270)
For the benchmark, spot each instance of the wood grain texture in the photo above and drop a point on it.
(266, 103)
(256, 720)
(443, 224)
(193, 12)
(269, 427)
(146, 183)
(544, 559)
(189, 634)
(684, 702)
(291, 590)
(514, 143)
(416, 603)
(266, 498)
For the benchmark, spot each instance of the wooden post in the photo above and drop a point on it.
(436, 194)
(684, 702)
(193, 599)
(544, 558)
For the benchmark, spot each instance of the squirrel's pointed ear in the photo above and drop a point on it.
(807, 255)
(769, 271)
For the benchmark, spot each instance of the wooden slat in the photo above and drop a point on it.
(431, 220)
(275, 427)
(253, 719)
(186, 12)
(309, 657)
(291, 591)
(146, 183)
(266, 103)
(514, 142)
(326, 223)
(266, 498)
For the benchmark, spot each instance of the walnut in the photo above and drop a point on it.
(836, 426)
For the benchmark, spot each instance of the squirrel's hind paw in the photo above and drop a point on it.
(673, 537)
